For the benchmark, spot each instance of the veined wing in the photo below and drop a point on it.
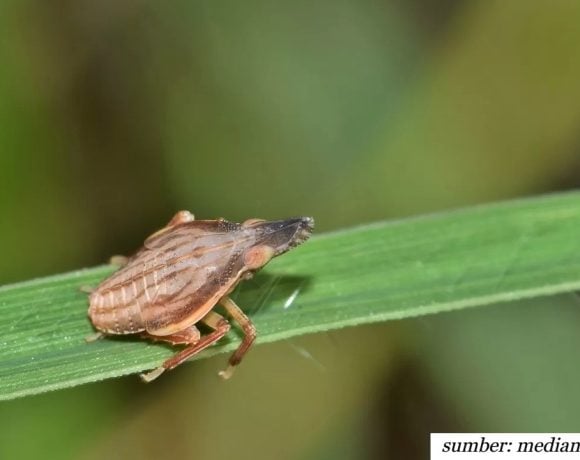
(194, 269)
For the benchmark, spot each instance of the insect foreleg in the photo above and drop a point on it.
(249, 335)
(213, 320)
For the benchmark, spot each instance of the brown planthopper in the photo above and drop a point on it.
(181, 273)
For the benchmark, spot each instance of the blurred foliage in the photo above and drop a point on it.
(115, 114)
(524, 370)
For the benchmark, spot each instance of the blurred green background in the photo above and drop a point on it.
(115, 114)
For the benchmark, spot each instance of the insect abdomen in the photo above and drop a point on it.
(116, 310)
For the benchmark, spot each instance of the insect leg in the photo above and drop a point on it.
(118, 261)
(187, 336)
(94, 337)
(249, 335)
(213, 320)
(181, 217)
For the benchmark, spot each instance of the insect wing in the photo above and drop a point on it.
(196, 264)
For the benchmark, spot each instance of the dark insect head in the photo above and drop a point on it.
(275, 237)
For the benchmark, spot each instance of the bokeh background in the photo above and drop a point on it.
(115, 114)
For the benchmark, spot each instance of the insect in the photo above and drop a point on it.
(181, 273)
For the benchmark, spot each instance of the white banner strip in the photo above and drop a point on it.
(505, 446)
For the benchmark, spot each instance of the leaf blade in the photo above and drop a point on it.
(390, 270)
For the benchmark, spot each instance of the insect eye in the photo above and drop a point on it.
(252, 222)
(258, 256)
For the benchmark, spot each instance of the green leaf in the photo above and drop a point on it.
(378, 272)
